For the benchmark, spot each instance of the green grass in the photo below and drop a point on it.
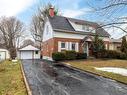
(11, 79)
(88, 65)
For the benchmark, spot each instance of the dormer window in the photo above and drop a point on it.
(85, 28)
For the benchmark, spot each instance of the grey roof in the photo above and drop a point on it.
(62, 23)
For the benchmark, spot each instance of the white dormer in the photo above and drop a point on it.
(81, 27)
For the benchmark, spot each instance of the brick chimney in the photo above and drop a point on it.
(51, 12)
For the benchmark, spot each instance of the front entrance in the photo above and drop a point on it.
(88, 48)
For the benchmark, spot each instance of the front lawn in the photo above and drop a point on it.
(89, 65)
(11, 79)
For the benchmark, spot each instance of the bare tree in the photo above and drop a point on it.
(38, 20)
(11, 30)
(27, 42)
(109, 11)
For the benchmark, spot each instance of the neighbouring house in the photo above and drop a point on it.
(28, 52)
(63, 33)
(4, 54)
(115, 44)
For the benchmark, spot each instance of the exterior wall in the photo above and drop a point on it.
(68, 35)
(28, 54)
(37, 56)
(67, 41)
(4, 54)
(48, 33)
(114, 46)
(52, 45)
(48, 49)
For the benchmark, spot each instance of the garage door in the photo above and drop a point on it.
(26, 55)
(2, 55)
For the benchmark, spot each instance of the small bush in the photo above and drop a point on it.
(70, 55)
(81, 55)
(58, 56)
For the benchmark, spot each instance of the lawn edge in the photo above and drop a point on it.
(80, 70)
(29, 92)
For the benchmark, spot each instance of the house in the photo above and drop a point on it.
(63, 33)
(115, 44)
(28, 52)
(4, 54)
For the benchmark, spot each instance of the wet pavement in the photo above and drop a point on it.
(47, 79)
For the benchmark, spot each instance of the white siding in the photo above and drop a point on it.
(77, 47)
(37, 56)
(4, 54)
(68, 35)
(49, 35)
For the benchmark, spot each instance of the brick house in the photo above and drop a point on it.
(63, 33)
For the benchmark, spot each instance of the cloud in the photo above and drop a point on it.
(14, 7)
(75, 12)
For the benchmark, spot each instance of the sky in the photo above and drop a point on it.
(82, 9)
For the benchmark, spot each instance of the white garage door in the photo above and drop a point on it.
(26, 55)
(2, 55)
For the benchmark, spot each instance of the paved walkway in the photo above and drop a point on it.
(46, 79)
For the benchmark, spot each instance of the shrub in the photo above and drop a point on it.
(111, 54)
(81, 55)
(58, 56)
(70, 55)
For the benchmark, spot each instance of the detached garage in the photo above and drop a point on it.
(4, 54)
(29, 52)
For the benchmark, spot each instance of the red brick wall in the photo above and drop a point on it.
(51, 45)
(48, 47)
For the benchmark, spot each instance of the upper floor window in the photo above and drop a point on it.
(85, 28)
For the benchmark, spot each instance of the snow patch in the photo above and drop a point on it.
(120, 71)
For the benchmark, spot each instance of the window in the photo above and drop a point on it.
(87, 28)
(47, 29)
(63, 45)
(83, 27)
(36, 52)
(73, 46)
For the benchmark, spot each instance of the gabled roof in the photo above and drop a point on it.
(63, 24)
(29, 47)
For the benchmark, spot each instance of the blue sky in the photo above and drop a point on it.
(82, 9)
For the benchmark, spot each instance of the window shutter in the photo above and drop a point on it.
(70, 44)
(67, 48)
(77, 47)
(59, 46)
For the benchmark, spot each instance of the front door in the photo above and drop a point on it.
(90, 47)
(86, 50)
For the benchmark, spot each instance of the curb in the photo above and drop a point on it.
(29, 92)
(83, 71)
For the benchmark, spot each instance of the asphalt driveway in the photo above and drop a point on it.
(47, 79)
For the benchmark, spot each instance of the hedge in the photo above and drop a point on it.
(111, 54)
(68, 55)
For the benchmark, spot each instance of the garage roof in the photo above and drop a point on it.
(29, 47)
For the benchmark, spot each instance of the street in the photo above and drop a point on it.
(45, 78)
